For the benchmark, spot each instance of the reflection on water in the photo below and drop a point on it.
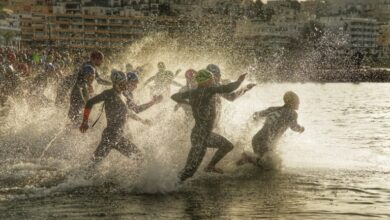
(338, 169)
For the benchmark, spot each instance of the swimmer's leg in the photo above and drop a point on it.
(223, 145)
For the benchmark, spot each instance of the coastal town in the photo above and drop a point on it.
(338, 33)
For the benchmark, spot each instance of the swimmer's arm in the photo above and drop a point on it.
(181, 97)
(177, 72)
(234, 95)
(228, 88)
(177, 84)
(295, 126)
(140, 108)
(149, 80)
(99, 98)
(84, 93)
(136, 118)
(87, 110)
(102, 81)
(264, 113)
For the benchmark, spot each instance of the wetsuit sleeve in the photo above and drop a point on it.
(294, 123)
(181, 97)
(138, 108)
(234, 95)
(102, 81)
(177, 83)
(134, 117)
(149, 80)
(84, 93)
(99, 98)
(228, 88)
(264, 113)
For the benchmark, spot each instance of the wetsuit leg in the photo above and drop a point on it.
(196, 154)
(224, 147)
(125, 147)
(104, 147)
(74, 113)
(260, 145)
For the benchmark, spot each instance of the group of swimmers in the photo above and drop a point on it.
(200, 98)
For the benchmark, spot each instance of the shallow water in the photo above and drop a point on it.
(338, 169)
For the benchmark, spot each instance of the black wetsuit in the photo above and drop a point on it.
(203, 104)
(116, 115)
(80, 92)
(78, 97)
(71, 80)
(278, 120)
(162, 83)
(132, 105)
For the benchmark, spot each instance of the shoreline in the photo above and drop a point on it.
(374, 75)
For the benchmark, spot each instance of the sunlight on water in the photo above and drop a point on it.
(339, 165)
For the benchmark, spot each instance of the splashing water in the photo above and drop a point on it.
(344, 147)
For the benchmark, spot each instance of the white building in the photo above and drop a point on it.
(9, 31)
(361, 34)
(259, 35)
(384, 40)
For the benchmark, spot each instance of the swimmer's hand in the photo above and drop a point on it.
(302, 129)
(250, 86)
(157, 99)
(242, 77)
(177, 106)
(84, 126)
(146, 122)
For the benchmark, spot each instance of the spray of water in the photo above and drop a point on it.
(29, 130)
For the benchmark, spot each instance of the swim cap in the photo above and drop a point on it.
(132, 77)
(290, 98)
(203, 76)
(161, 66)
(49, 67)
(87, 70)
(190, 74)
(97, 55)
(117, 77)
(11, 56)
(214, 69)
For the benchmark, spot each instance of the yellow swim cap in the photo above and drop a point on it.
(290, 98)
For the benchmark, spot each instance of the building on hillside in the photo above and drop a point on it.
(9, 31)
(384, 40)
(258, 36)
(361, 34)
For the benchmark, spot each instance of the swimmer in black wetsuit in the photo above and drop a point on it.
(96, 60)
(202, 102)
(133, 81)
(278, 120)
(163, 80)
(214, 69)
(116, 113)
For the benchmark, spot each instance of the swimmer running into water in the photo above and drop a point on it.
(278, 120)
(202, 102)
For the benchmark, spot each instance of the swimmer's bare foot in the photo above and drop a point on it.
(244, 159)
(213, 169)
